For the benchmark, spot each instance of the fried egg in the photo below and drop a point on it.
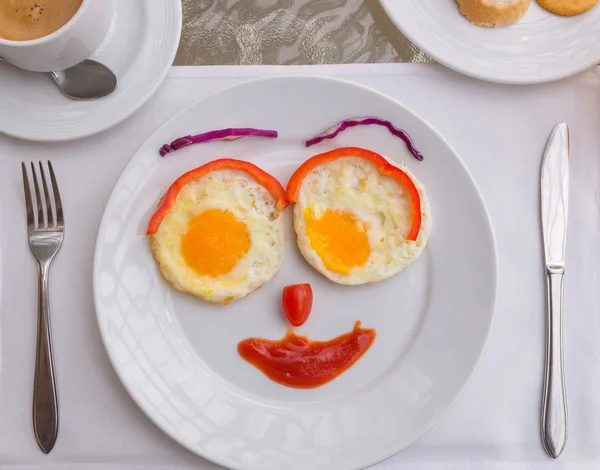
(352, 222)
(222, 238)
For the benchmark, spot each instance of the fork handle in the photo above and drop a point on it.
(554, 400)
(45, 403)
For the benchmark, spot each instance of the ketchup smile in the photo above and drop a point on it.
(299, 362)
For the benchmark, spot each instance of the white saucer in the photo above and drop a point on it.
(139, 48)
(541, 47)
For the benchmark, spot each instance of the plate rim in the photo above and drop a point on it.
(178, 11)
(396, 20)
(104, 220)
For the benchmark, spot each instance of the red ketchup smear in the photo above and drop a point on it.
(298, 362)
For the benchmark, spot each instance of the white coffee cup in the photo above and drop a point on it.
(67, 46)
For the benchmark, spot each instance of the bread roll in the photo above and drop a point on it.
(493, 13)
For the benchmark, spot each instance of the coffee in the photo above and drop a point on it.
(24, 20)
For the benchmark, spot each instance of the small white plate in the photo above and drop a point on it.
(541, 47)
(177, 356)
(139, 48)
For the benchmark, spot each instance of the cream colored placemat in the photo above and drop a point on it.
(290, 32)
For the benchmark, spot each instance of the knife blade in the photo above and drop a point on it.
(554, 212)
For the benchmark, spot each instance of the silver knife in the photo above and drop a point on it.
(555, 205)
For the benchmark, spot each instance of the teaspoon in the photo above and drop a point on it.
(87, 80)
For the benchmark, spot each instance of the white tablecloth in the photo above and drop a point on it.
(499, 131)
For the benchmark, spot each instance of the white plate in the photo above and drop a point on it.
(541, 47)
(139, 48)
(177, 356)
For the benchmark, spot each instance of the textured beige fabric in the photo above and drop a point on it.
(284, 32)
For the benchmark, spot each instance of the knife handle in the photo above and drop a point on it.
(554, 400)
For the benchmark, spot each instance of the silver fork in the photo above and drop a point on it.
(45, 233)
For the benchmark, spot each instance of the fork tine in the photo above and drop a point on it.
(57, 202)
(40, 217)
(28, 205)
(49, 213)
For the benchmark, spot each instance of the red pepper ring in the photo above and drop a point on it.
(385, 168)
(261, 177)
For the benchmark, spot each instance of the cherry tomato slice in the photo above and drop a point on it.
(296, 302)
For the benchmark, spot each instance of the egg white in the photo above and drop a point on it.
(252, 204)
(355, 185)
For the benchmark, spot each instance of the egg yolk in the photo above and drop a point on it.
(214, 242)
(340, 240)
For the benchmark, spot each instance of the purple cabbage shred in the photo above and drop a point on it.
(340, 127)
(222, 134)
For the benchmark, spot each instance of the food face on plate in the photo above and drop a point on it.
(218, 233)
(358, 217)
